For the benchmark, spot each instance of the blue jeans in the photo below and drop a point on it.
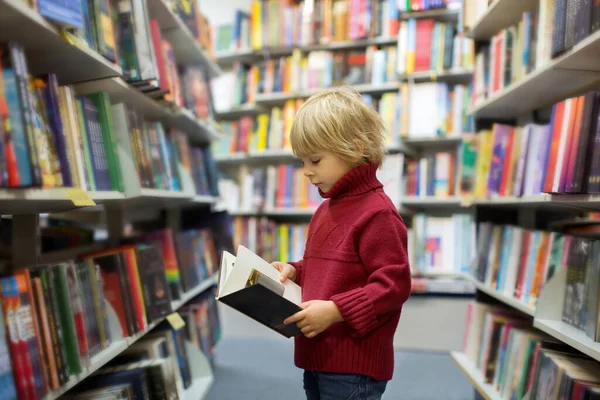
(330, 386)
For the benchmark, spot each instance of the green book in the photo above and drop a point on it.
(102, 102)
(59, 276)
(87, 155)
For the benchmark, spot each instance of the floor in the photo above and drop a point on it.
(263, 369)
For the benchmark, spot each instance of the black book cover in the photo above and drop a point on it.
(583, 20)
(595, 15)
(265, 307)
(577, 184)
(558, 35)
(592, 172)
(186, 259)
(571, 22)
(574, 289)
(154, 282)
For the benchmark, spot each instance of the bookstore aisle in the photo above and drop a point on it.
(492, 112)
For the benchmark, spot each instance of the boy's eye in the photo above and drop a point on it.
(316, 162)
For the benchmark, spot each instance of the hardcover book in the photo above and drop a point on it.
(250, 285)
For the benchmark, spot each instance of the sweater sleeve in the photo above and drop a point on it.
(298, 265)
(383, 251)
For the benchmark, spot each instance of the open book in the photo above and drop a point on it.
(250, 285)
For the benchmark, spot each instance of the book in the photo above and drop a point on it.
(250, 285)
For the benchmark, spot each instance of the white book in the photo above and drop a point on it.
(252, 286)
(402, 48)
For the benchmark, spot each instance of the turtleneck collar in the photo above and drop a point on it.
(357, 181)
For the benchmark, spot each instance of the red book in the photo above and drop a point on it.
(523, 264)
(423, 44)
(24, 285)
(136, 287)
(574, 121)
(160, 56)
(19, 353)
(558, 113)
(507, 160)
(574, 142)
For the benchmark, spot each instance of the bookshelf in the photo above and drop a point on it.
(46, 48)
(468, 368)
(508, 300)
(236, 112)
(172, 116)
(577, 70)
(500, 13)
(186, 48)
(442, 14)
(118, 347)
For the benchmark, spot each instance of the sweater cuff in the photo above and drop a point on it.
(357, 310)
(298, 266)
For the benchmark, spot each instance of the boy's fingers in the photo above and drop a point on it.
(306, 330)
(305, 304)
(294, 318)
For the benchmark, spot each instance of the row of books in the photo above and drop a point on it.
(158, 154)
(127, 36)
(432, 175)
(402, 113)
(160, 364)
(442, 244)
(266, 131)
(546, 33)
(425, 5)
(271, 240)
(50, 137)
(514, 52)
(560, 157)
(516, 261)
(429, 45)
(278, 24)
(148, 60)
(515, 360)
(273, 187)
(67, 303)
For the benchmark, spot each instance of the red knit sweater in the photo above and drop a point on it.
(356, 255)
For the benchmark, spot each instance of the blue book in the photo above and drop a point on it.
(7, 383)
(96, 144)
(17, 135)
(63, 12)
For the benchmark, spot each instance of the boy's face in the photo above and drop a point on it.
(324, 169)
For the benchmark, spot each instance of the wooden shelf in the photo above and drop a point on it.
(120, 346)
(204, 199)
(432, 142)
(229, 57)
(186, 48)
(277, 212)
(47, 51)
(475, 377)
(427, 202)
(451, 76)
(237, 112)
(441, 14)
(577, 70)
(508, 300)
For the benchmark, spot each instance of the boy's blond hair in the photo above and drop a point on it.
(338, 121)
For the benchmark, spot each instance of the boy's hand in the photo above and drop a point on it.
(287, 271)
(316, 316)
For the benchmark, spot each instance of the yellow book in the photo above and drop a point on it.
(484, 159)
(262, 131)
(404, 113)
(256, 25)
(275, 132)
(442, 44)
(284, 243)
(67, 130)
(289, 110)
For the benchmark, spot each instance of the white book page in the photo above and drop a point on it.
(227, 264)
(248, 260)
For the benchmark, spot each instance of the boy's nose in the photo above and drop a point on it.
(307, 173)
